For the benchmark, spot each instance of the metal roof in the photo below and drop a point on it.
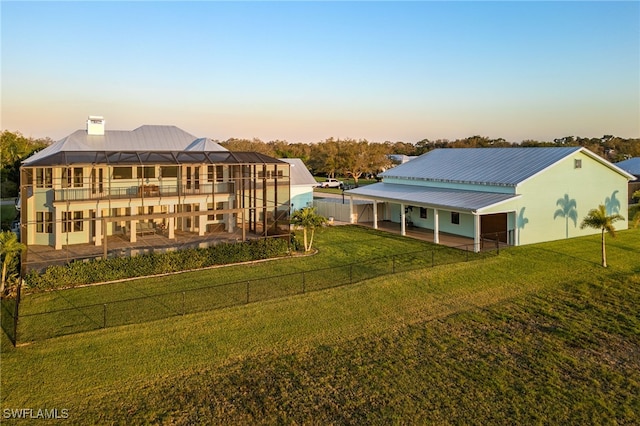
(452, 199)
(143, 139)
(493, 166)
(299, 173)
(66, 158)
(631, 165)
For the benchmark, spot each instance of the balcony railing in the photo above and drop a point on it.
(142, 191)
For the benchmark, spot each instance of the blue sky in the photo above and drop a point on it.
(307, 71)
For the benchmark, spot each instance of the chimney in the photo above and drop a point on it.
(95, 126)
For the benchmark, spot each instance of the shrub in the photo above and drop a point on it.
(100, 270)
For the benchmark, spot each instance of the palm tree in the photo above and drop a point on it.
(567, 210)
(9, 248)
(308, 220)
(636, 217)
(598, 219)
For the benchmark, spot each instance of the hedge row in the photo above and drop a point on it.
(100, 270)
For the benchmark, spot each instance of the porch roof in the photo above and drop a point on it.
(66, 158)
(451, 199)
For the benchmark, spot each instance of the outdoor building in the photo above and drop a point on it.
(632, 165)
(302, 184)
(512, 196)
(96, 184)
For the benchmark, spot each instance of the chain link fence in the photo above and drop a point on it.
(22, 328)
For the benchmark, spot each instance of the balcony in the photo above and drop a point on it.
(142, 191)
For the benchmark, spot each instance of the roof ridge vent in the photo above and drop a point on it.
(95, 125)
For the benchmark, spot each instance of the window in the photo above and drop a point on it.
(78, 222)
(77, 177)
(44, 177)
(423, 213)
(44, 222)
(217, 216)
(219, 173)
(146, 172)
(210, 173)
(66, 221)
(122, 173)
(455, 218)
(577, 163)
(169, 171)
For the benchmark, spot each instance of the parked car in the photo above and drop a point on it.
(15, 228)
(332, 183)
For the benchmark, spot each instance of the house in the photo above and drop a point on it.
(632, 165)
(97, 183)
(302, 184)
(513, 195)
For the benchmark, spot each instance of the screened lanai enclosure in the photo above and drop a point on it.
(87, 204)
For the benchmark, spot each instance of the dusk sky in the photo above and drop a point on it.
(308, 71)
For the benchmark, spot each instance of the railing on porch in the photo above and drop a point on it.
(142, 191)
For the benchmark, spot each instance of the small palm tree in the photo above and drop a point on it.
(598, 219)
(9, 248)
(308, 220)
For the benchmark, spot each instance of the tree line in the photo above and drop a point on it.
(352, 158)
(355, 158)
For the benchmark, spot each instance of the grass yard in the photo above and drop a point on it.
(538, 334)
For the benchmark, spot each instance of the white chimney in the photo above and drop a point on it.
(95, 126)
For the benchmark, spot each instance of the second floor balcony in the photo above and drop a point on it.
(102, 192)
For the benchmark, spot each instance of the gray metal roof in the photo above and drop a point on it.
(144, 138)
(299, 173)
(631, 165)
(495, 166)
(453, 199)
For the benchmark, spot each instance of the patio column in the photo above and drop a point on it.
(171, 222)
(202, 220)
(476, 233)
(133, 227)
(436, 226)
(57, 227)
(375, 214)
(98, 222)
(403, 230)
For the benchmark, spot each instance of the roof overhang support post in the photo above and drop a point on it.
(375, 214)
(436, 226)
(476, 232)
(351, 215)
(403, 219)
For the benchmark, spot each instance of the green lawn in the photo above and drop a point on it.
(538, 334)
(347, 255)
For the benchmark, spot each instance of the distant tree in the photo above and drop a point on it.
(598, 219)
(308, 220)
(10, 247)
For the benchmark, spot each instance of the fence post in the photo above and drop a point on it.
(183, 309)
(15, 314)
(104, 316)
(303, 283)
(247, 291)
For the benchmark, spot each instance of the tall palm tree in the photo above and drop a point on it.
(308, 220)
(567, 210)
(598, 219)
(9, 248)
